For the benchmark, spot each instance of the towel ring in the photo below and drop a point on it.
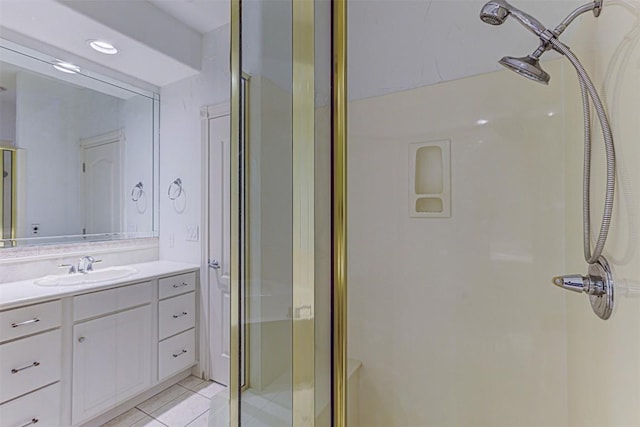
(137, 192)
(175, 189)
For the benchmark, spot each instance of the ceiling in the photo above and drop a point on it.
(201, 15)
(159, 41)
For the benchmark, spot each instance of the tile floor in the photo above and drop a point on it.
(192, 402)
(196, 403)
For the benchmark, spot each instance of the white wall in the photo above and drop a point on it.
(136, 117)
(181, 144)
(7, 120)
(454, 319)
(603, 355)
(397, 45)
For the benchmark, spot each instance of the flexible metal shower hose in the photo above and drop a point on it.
(588, 90)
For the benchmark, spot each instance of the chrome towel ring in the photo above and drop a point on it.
(137, 192)
(175, 189)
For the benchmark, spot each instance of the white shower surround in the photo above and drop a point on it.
(459, 324)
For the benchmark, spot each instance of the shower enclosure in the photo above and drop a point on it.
(396, 269)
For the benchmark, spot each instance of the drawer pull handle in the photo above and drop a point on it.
(184, 313)
(33, 421)
(180, 353)
(180, 285)
(26, 322)
(33, 365)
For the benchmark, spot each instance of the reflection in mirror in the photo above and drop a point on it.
(76, 144)
(8, 160)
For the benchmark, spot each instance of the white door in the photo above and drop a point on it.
(102, 186)
(219, 248)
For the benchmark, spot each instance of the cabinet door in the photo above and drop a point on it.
(111, 358)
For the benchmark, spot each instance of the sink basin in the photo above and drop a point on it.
(96, 276)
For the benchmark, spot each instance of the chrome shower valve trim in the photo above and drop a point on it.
(598, 284)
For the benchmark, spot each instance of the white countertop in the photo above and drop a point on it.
(25, 292)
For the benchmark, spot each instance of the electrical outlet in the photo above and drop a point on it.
(193, 233)
(35, 228)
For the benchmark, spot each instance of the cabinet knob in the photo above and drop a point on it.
(81, 339)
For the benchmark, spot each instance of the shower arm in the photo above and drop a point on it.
(545, 43)
(595, 6)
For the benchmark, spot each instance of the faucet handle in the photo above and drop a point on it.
(72, 268)
(86, 263)
(93, 261)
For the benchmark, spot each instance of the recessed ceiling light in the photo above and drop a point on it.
(103, 47)
(66, 67)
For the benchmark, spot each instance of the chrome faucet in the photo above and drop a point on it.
(85, 264)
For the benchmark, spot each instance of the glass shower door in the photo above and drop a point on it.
(284, 214)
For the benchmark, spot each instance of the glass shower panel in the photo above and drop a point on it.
(453, 319)
(267, 282)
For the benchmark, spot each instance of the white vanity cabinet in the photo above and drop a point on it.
(78, 356)
(30, 365)
(112, 352)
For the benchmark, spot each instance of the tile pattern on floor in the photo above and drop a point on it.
(196, 403)
(190, 403)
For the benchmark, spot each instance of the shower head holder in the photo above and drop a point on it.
(496, 12)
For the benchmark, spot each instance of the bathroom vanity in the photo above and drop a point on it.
(69, 353)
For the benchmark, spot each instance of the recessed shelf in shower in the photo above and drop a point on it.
(430, 179)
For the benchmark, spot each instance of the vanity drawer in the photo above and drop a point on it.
(28, 320)
(103, 302)
(41, 408)
(175, 285)
(29, 363)
(176, 314)
(176, 353)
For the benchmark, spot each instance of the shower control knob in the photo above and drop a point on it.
(598, 284)
(571, 282)
(591, 285)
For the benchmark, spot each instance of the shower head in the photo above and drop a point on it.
(495, 12)
(528, 67)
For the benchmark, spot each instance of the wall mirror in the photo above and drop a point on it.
(79, 153)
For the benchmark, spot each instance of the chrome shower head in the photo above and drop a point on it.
(528, 67)
(494, 12)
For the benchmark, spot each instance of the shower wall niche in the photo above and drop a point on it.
(430, 179)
